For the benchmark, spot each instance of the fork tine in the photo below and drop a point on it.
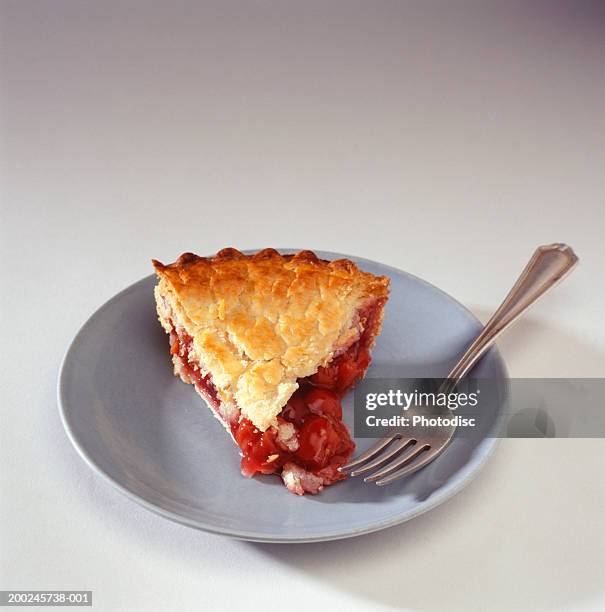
(369, 454)
(391, 452)
(410, 468)
(407, 456)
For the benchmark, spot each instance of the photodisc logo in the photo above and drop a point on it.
(481, 407)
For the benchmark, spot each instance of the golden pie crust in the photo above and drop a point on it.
(260, 322)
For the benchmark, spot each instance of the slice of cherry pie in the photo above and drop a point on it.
(272, 342)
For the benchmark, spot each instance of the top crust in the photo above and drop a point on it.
(259, 322)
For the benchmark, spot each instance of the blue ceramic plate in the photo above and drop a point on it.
(152, 437)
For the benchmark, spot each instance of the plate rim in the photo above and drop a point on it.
(251, 535)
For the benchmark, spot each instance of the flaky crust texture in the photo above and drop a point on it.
(259, 322)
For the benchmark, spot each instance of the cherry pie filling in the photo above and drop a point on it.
(310, 431)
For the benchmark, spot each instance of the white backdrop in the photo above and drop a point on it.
(448, 139)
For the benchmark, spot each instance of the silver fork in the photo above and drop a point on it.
(401, 456)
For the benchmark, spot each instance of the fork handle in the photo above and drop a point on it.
(549, 264)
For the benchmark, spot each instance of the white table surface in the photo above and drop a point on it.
(447, 139)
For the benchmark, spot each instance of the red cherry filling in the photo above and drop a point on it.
(316, 414)
(318, 442)
(260, 452)
(344, 371)
(180, 344)
(322, 401)
(321, 439)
